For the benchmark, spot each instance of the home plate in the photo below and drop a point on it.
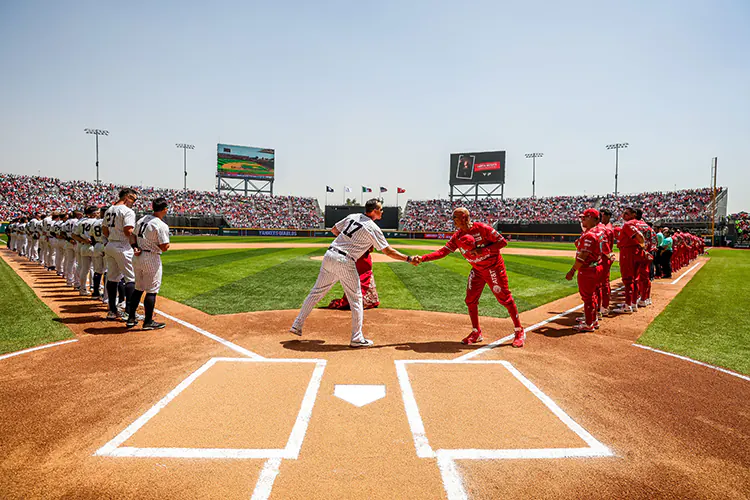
(359, 395)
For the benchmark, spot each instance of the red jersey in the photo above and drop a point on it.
(484, 236)
(590, 243)
(607, 237)
(628, 233)
(649, 236)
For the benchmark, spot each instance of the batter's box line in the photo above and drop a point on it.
(291, 451)
(446, 457)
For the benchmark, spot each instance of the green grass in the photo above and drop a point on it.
(232, 281)
(27, 321)
(709, 320)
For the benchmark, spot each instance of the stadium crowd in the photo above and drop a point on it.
(23, 195)
(435, 215)
(741, 222)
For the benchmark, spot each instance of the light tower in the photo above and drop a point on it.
(533, 157)
(184, 147)
(617, 147)
(97, 132)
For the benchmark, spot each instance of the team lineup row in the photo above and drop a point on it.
(102, 243)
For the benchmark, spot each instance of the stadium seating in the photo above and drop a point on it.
(435, 215)
(21, 195)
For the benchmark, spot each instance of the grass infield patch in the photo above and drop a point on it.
(709, 320)
(27, 321)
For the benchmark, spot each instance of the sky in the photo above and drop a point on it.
(381, 93)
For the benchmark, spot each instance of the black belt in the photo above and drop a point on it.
(339, 251)
(142, 250)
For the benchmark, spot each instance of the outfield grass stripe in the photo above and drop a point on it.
(210, 259)
(206, 278)
(393, 292)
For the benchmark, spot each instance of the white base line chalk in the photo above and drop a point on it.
(685, 273)
(685, 358)
(210, 335)
(18, 353)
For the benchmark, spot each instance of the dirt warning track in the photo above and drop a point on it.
(235, 407)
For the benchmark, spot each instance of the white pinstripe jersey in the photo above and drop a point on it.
(96, 231)
(117, 217)
(83, 229)
(69, 226)
(151, 232)
(46, 224)
(357, 234)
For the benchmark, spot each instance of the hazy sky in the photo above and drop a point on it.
(380, 93)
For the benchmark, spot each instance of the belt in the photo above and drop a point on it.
(339, 251)
(142, 250)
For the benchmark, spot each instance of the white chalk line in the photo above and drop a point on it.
(685, 273)
(32, 349)
(498, 342)
(290, 451)
(691, 360)
(267, 477)
(210, 335)
(452, 480)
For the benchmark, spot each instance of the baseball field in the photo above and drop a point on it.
(225, 403)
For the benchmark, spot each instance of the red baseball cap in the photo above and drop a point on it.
(590, 212)
(467, 242)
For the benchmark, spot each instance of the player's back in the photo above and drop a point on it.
(151, 232)
(357, 234)
(117, 218)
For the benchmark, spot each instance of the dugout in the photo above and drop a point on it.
(335, 213)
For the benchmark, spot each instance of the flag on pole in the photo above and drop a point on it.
(347, 189)
(366, 189)
(329, 189)
(382, 189)
(400, 190)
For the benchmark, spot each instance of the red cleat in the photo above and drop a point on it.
(584, 328)
(520, 337)
(473, 338)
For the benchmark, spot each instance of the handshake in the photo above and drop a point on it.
(414, 260)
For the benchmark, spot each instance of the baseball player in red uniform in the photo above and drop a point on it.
(608, 257)
(643, 279)
(590, 270)
(630, 242)
(480, 244)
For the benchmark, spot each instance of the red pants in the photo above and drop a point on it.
(589, 284)
(643, 280)
(631, 261)
(605, 290)
(497, 279)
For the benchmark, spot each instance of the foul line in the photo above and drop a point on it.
(446, 458)
(685, 273)
(210, 335)
(685, 358)
(5, 356)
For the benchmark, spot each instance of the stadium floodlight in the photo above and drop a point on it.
(617, 147)
(184, 147)
(97, 132)
(533, 157)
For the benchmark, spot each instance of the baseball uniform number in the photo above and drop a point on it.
(352, 228)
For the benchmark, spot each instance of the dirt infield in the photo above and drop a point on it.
(255, 425)
(223, 246)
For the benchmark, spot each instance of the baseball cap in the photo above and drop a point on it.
(590, 212)
(467, 242)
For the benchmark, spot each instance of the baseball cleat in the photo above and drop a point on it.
(623, 309)
(296, 331)
(584, 328)
(83, 293)
(363, 343)
(642, 303)
(520, 337)
(131, 322)
(474, 337)
(153, 325)
(118, 316)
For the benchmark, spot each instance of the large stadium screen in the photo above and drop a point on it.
(245, 162)
(483, 168)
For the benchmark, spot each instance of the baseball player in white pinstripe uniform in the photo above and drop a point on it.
(119, 221)
(82, 235)
(44, 245)
(99, 240)
(152, 239)
(355, 234)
